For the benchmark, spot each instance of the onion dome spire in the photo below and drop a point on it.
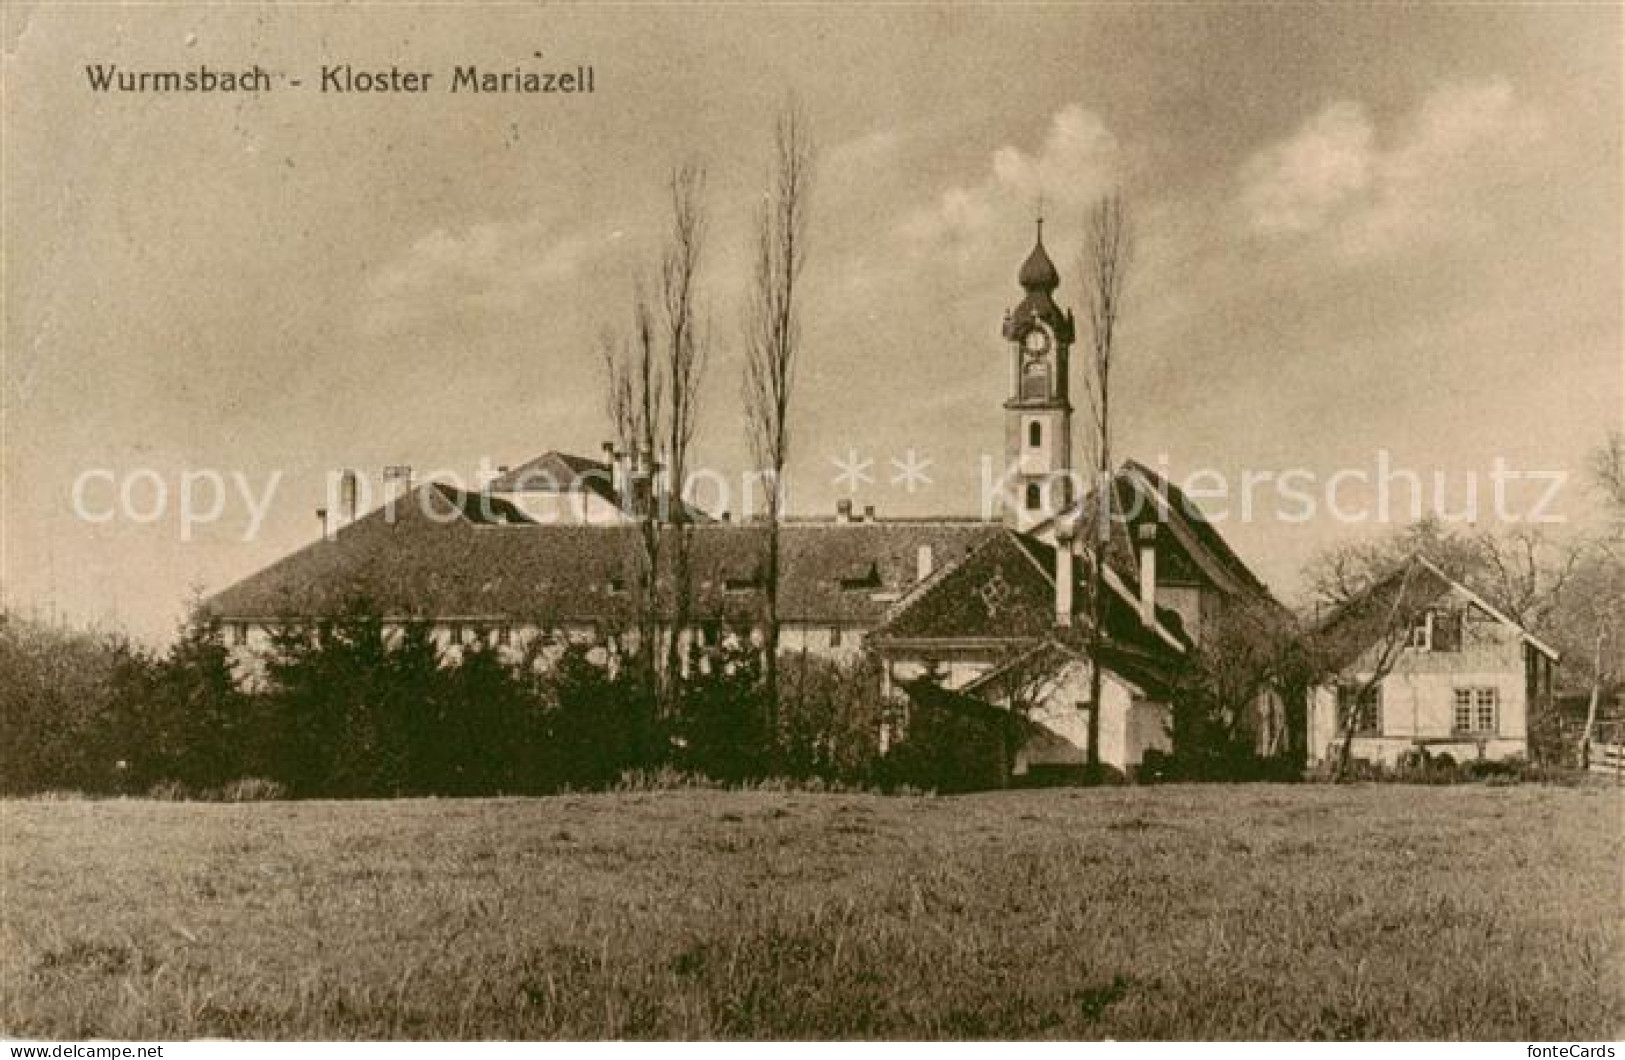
(1039, 279)
(1038, 271)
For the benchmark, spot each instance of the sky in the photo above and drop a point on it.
(1362, 234)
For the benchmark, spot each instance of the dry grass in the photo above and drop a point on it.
(1215, 912)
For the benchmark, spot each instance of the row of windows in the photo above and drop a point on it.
(235, 634)
(1476, 710)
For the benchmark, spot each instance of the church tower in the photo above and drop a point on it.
(1038, 415)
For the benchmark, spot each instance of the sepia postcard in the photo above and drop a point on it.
(811, 522)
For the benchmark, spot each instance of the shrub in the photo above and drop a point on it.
(60, 723)
(830, 718)
(169, 791)
(664, 778)
(952, 744)
(252, 789)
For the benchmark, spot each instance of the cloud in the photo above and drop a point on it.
(1077, 161)
(488, 269)
(1336, 177)
(1294, 186)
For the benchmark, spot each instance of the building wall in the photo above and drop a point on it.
(1418, 699)
(251, 642)
(1130, 724)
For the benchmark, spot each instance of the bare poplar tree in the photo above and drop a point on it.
(1103, 266)
(1373, 629)
(685, 359)
(653, 404)
(772, 345)
(635, 398)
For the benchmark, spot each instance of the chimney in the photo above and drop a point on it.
(1066, 534)
(617, 471)
(347, 497)
(327, 527)
(924, 563)
(727, 517)
(843, 511)
(868, 513)
(1147, 533)
(397, 484)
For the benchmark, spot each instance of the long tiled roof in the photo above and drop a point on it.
(439, 558)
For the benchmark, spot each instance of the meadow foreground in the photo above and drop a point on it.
(1181, 912)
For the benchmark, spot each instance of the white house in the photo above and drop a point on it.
(1456, 676)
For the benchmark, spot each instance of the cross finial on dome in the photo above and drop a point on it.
(1038, 271)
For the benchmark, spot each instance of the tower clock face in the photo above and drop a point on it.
(1036, 342)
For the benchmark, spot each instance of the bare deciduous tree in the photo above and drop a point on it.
(653, 403)
(1104, 265)
(686, 354)
(772, 345)
(635, 398)
(1370, 630)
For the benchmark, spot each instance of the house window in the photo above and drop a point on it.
(1421, 633)
(1364, 706)
(236, 634)
(617, 586)
(1035, 434)
(1445, 631)
(1477, 711)
(1035, 497)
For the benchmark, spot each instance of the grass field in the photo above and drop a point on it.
(1188, 912)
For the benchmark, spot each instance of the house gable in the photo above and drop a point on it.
(997, 593)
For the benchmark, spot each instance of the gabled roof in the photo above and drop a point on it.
(1183, 516)
(1494, 612)
(1146, 674)
(556, 472)
(559, 472)
(1380, 592)
(441, 559)
(1189, 547)
(1004, 590)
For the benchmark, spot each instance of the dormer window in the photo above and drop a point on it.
(862, 581)
(1447, 626)
(1436, 631)
(1420, 637)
